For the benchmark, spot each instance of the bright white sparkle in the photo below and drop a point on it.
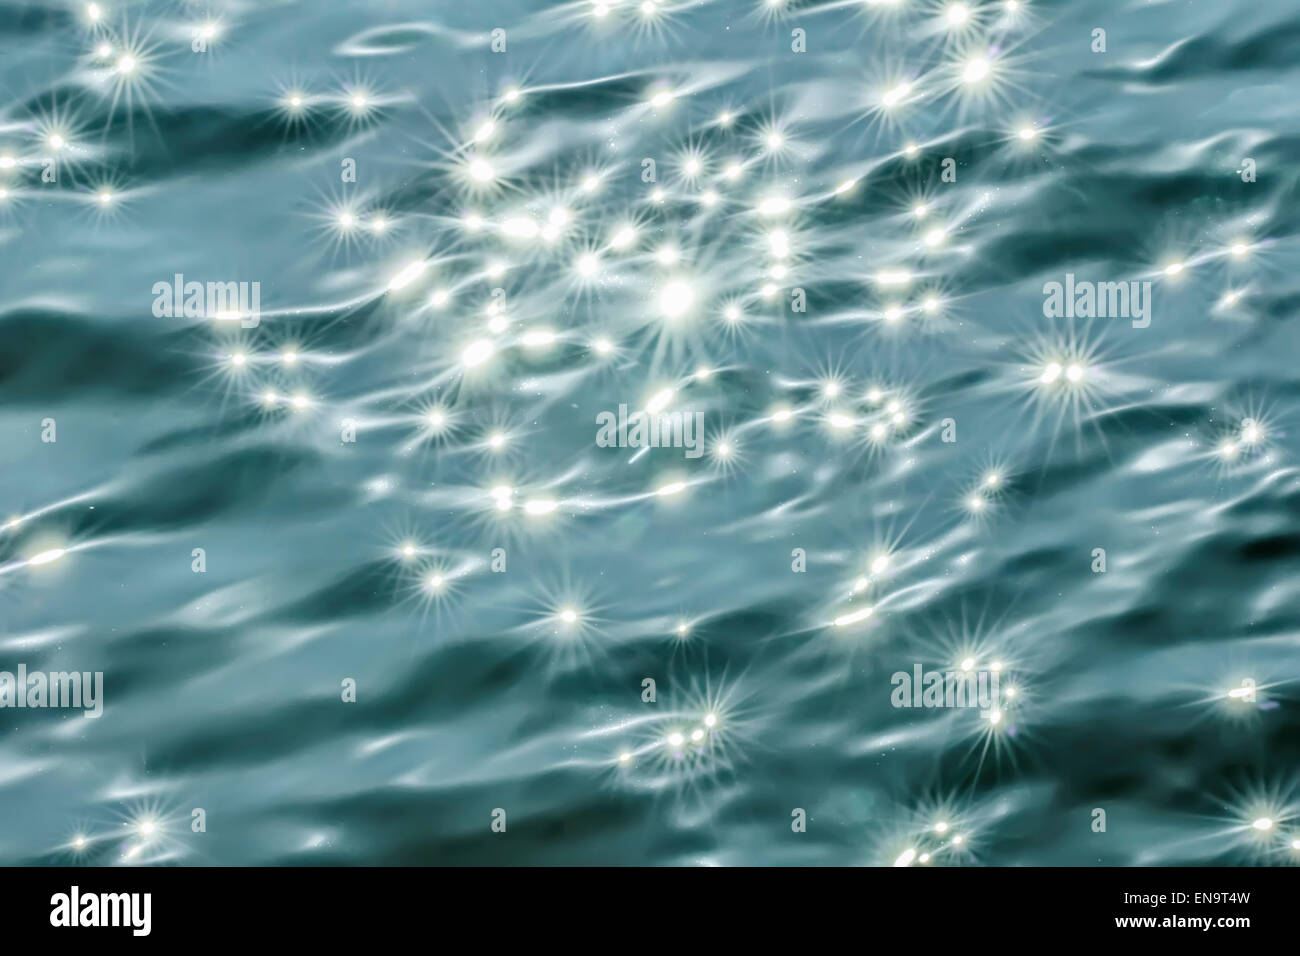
(477, 353)
(896, 95)
(538, 337)
(659, 401)
(976, 70)
(676, 298)
(667, 255)
(408, 274)
(855, 617)
(521, 227)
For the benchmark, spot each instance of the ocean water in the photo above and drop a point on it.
(369, 578)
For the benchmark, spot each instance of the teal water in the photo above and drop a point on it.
(366, 582)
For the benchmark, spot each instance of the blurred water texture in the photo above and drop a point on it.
(475, 690)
